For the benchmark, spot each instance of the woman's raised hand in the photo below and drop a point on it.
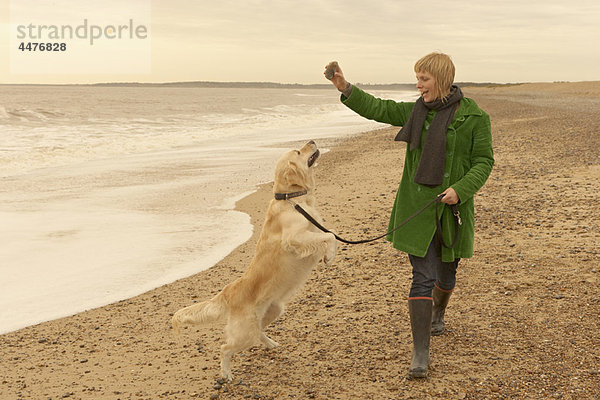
(334, 73)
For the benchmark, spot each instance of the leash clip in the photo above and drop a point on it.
(291, 202)
(454, 208)
(457, 215)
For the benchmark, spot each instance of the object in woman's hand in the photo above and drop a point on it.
(330, 70)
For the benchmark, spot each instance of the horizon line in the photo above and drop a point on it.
(255, 84)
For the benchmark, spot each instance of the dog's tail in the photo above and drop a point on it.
(213, 310)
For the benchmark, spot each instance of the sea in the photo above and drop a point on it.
(85, 171)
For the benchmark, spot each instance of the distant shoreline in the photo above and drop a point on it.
(255, 85)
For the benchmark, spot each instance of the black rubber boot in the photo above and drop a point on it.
(420, 322)
(440, 301)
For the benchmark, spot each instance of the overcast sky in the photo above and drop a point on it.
(375, 41)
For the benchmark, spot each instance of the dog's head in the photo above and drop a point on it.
(294, 170)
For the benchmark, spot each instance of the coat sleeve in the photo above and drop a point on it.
(482, 161)
(371, 107)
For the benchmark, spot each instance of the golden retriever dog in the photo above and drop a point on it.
(288, 248)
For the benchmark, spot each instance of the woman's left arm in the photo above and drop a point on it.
(482, 161)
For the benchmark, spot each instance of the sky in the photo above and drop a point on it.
(290, 41)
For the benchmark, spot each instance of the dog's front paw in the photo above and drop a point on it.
(328, 260)
(331, 251)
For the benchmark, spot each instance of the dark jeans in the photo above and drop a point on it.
(430, 270)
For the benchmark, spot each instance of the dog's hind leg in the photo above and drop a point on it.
(240, 333)
(272, 313)
(227, 351)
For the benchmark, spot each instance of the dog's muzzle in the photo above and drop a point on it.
(312, 159)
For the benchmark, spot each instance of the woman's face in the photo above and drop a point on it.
(426, 86)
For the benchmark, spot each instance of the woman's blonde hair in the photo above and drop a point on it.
(439, 65)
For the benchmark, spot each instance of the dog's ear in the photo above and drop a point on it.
(294, 175)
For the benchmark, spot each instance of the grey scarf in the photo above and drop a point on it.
(430, 171)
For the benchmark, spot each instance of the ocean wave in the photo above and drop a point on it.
(30, 115)
(64, 132)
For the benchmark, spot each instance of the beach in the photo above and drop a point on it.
(522, 322)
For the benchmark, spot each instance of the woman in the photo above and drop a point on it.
(449, 152)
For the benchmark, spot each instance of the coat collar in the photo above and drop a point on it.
(467, 107)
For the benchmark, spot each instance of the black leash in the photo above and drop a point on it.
(437, 199)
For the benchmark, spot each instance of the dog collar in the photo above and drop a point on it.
(285, 196)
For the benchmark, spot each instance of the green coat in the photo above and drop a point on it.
(469, 161)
